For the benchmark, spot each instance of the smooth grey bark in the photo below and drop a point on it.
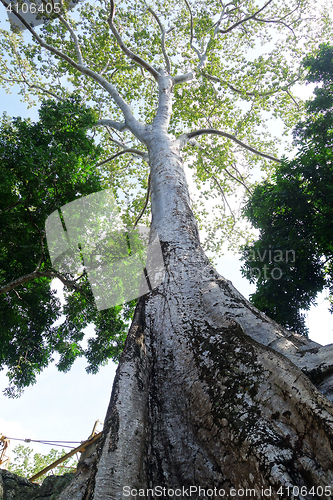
(209, 392)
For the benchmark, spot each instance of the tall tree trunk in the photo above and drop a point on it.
(209, 392)
(203, 394)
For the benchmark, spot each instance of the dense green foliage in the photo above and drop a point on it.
(26, 464)
(294, 211)
(44, 166)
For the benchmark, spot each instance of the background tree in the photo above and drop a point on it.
(209, 390)
(25, 463)
(44, 166)
(294, 210)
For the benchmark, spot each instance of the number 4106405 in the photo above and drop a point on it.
(25, 7)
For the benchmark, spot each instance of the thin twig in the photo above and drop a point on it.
(242, 21)
(221, 191)
(145, 205)
(191, 21)
(238, 180)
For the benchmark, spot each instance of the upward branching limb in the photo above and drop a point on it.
(203, 57)
(163, 32)
(184, 138)
(73, 35)
(135, 126)
(137, 59)
(191, 27)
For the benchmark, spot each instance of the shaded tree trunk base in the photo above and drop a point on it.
(203, 397)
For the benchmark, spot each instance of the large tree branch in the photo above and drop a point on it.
(164, 109)
(137, 59)
(183, 78)
(135, 126)
(184, 138)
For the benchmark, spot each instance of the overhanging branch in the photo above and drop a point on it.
(184, 138)
(253, 94)
(38, 274)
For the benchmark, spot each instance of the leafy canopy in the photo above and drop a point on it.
(44, 166)
(243, 58)
(294, 211)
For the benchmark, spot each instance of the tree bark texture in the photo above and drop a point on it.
(209, 392)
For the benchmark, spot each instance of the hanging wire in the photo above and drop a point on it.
(50, 443)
